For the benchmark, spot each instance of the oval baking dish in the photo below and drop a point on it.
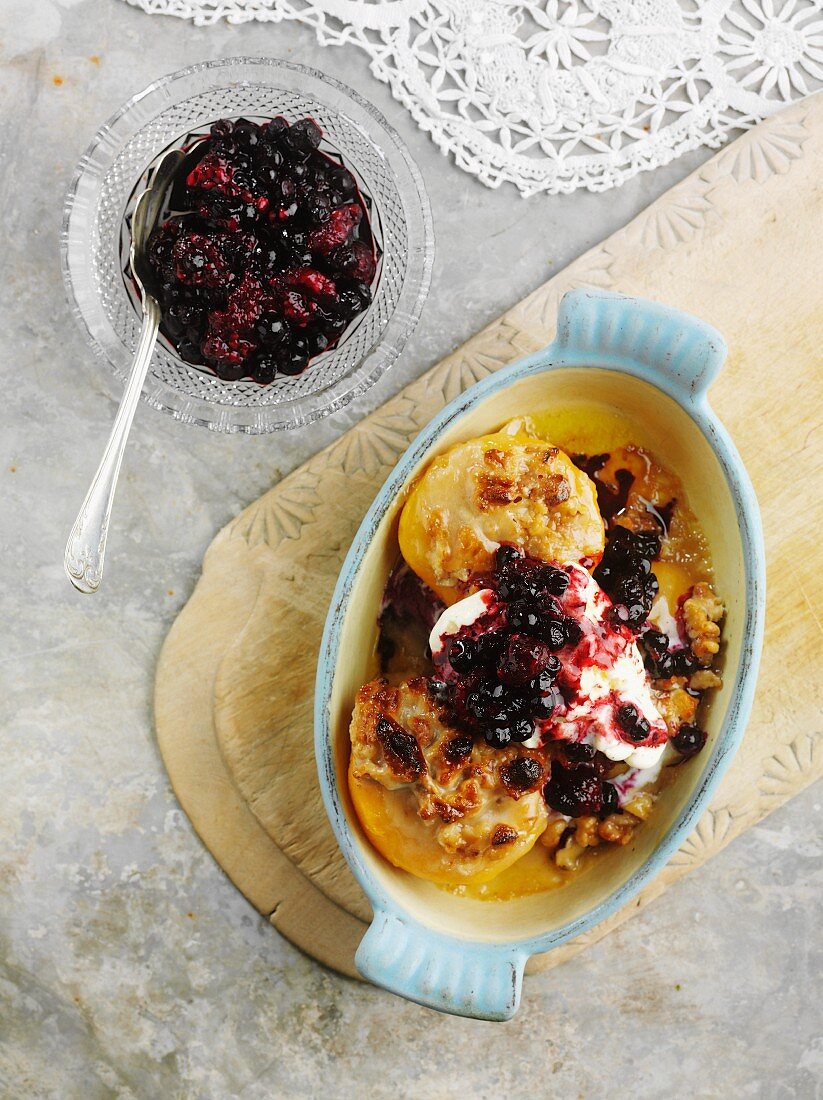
(466, 956)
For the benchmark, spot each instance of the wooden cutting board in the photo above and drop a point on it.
(738, 244)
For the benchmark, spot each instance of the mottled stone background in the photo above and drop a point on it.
(129, 965)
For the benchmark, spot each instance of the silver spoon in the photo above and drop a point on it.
(86, 547)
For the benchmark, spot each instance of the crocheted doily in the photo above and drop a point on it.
(552, 95)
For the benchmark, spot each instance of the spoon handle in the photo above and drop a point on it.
(86, 547)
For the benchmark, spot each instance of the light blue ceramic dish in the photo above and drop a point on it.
(654, 364)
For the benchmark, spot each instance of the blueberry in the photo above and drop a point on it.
(305, 136)
(318, 342)
(498, 737)
(632, 722)
(246, 134)
(573, 791)
(544, 682)
(354, 298)
(276, 129)
(189, 352)
(222, 129)
(689, 740)
(488, 647)
(271, 330)
(521, 729)
(505, 555)
(264, 368)
(554, 635)
(544, 706)
(462, 652)
(522, 616)
(230, 372)
(610, 801)
(439, 690)
(477, 702)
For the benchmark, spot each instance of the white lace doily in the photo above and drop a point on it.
(552, 95)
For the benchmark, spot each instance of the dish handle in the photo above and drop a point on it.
(673, 350)
(479, 980)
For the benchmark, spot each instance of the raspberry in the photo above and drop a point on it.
(297, 308)
(337, 230)
(228, 353)
(243, 309)
(312, 282)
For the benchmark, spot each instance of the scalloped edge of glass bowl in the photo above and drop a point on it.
(256, 420)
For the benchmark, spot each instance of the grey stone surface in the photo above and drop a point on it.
(129, 966)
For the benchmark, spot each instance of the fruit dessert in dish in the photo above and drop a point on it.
(546, 641)
(274, 257)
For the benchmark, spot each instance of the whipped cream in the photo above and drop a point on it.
(461, 614)
(604, 672)
(633, 780)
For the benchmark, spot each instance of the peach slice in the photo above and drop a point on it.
(508, 487)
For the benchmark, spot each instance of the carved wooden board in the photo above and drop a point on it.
(738, 244)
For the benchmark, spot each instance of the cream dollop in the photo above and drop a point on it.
(459, 615)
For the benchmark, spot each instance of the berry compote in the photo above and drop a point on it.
(275, 258)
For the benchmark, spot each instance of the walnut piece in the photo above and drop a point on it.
(704, 680)
(586, 832)
(702, 611)
(617, 828)
(641, 805)
(674, 703)
(553, 833)
(568, 857)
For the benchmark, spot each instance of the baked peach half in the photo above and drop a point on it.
(433, 800)
(507, 487)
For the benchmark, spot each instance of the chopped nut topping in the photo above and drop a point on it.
(704, 680)
(618, 828)
(568, 858)
(554, 833)
(586, 832)
(702, 611)
(641, 805)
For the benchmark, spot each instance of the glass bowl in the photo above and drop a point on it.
(95, 236)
